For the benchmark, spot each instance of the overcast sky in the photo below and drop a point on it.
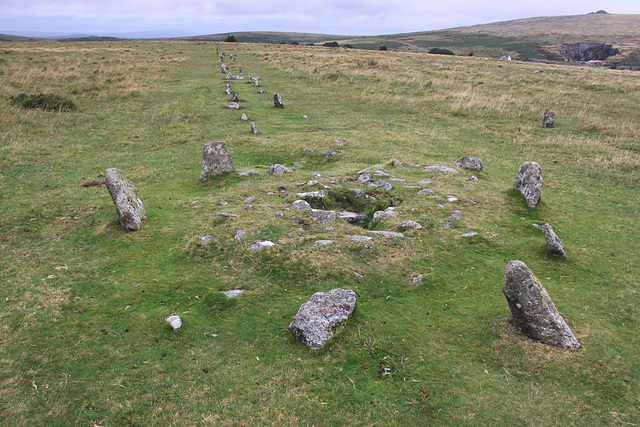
(339, 17)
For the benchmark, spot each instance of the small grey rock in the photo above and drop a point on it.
(206, 239)
(247, 173)
(387, 234)
(440, 169)
(331, 153)
(233, 293)
(424, 182)
(174, 321)
(469, 234)
(456, 215)
(323, 217)
(425, 191)
(363, 178)
(308, 150)
(239, 234)
(381, 184)
(312, 195)
(418, 279)
(277, 169)
(227, 214)
(260, 245)
(360, 238)
(353, 218)
(340, 142)
(232, 106)
(554, 244)
(302, 205)
(129, 207)
(323, 242)
(254, 128)
(405, 225)
(470, 163)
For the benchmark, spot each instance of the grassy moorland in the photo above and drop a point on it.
(83, 339)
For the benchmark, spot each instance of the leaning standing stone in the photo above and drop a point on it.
(322, 316)
(216, 160)
(554, 244)
(534, 314)
(549, 118)
(277, 101)
(529, 182)
(125, 197)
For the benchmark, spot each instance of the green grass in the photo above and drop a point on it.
(83, 338)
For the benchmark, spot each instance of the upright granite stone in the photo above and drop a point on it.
(125, 197)
(529, 182)
(319, 318)
(277, 101)
(549, 118)
(223, 69)
(254, 128)
(534, 314)
(216, 160)
(470, 163)
(554, 244)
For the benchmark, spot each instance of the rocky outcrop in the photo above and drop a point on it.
(534, 314)
(322, 315)
(588, 51)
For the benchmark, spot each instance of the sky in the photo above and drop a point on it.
(338, 17)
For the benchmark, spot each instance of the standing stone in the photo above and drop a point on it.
(257, 81)
(277, 101)
(223, 69)
(549, 118)
(228, 90)
(470, 163)
(322, 316)
(254, 129)
(244, 117)
(125, 197)
(529, 182)
(216, 160)
(235, 98)
(554, 244)
(534, 314)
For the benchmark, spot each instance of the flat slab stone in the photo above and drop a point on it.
(310, 195)
(323, 315)
(128, 205)
(277, 169)
(440, 169)
(534, 313)
(425, 191)
(381, 184)
(353, 218)
(470, 163)
(360, 238)
(405, 225)
(387, 234)
(323, 217)
(261, 245)
(323, 242)
(233, 293)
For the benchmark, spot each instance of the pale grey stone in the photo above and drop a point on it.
(250, 199)
(206, 239)
(297, 165)
(247, 173)
(397, 179)
(322, 316)
(534, 313)
(278, 215)
(387, 234)
(323, 217)
(312, 195)
(418, 278)
(360, 238)
(125, 198)
(440, 169)
(397, 163)
(233, 293)
(244, 117)
(353, 218)
(302, 205)
(381, 173)
(470, 163)
(239, 234)
(369, 168)
(529, 182)
(405, 225)
(380, 215)
(446, 224)
(554, 244)
(323, 242)
(340, 142)
(456, 215)
(260, 245)
(216, 160)
(232, 106)
(424, 182)
(277, 101)
(363, 178)
(548, 120)
(223, 69)
(452, 198)
(425, 191)
(380, 184)
(227, 214)
(254, 128)
(331, 153)
(174, 321)
(469, 234)
(279, 169)
(308, 150)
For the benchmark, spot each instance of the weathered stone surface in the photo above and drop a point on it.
(440, 169)
(340, 142)
(529, 182)
(424, 182)
(244, 117)
(233, 293)
(174, 321)
(227, 214)
(405, 225)
(470, 163)
(323, 242)
(254, 128)
(534, 313)
(260, 245)
(216, 160)
(554, 244)
(239, 234)
(381, 184)
(310, 195)
(235, 98)
(363, 178)
(456, 215)
(323, 217)
(128, 205)
(277, 101)
(397, 163)
(387, 234)
(279, 169)
(331, 153)
(232, 106)
(206, 239)
(322, 316)
(247, 173)
(302, 205)
(469, 234)
(360, 238)
(379, 216)
(223, 69)
(418, 279)
(353, 218)
(548, 120)
(451, 198)
(425, 191)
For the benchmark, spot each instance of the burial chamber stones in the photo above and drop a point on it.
(322, 315)
(534, 313)
(128, 205)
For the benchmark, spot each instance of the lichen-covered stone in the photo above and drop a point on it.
(529, 182)
(216, 160)
(128, 205)
(534, 313)
(322, 315)
(554, 244)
